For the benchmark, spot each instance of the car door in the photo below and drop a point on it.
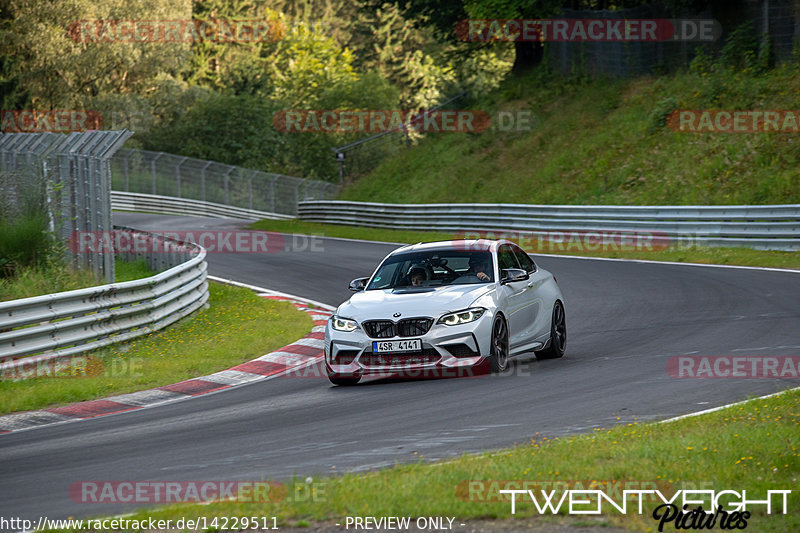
(516, 299)
(536, 323)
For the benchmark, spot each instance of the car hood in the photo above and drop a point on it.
(383, 304)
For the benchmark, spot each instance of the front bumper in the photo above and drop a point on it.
(446, 351)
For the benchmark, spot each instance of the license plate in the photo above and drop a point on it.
(411, 345)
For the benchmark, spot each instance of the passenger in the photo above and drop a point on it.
(417, 276)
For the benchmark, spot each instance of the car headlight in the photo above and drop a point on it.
(343, 324)
(462, 317)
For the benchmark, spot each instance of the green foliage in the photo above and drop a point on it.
(12, 94)
(222, 127)
(658, 117)
(596, 144)
(740, 50)
(63, 73)
(24, 237)
(23, 242)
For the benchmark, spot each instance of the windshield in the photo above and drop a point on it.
(433, 268)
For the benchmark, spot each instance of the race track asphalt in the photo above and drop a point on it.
(625, 319)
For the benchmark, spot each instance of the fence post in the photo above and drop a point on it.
(178, 176)
(203, 181)
(125, 171)
(153, 169)
(250, 187)
(225, 185)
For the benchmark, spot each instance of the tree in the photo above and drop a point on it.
(445, 16)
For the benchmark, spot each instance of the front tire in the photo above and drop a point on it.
(558, 334)
(499, 347)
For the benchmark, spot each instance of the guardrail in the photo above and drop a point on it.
(769, 227)
(131, 201)
(40, 330)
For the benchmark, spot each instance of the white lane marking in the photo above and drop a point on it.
(676, 263)
(706, 411)
(262, 290)
(769, 269)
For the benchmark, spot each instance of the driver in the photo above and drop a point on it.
(478, 266)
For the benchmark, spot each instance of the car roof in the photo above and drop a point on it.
(467, 245)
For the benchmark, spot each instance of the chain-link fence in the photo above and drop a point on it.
(361, 157)
(620, 58)
(158, 173)
(69, 177)
(775, 21)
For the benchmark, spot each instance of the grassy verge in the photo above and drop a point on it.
(694, 254)
(605, 142)
(752, 447)
(236, 327)
(50, 278)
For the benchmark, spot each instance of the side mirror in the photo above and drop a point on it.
(358, 284)
(514, 274)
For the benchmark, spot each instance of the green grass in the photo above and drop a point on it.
(719, 256)
(604, 142)
(752, 446)
(53, 277)
(237, 326)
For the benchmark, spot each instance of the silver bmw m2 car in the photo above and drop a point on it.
(444, 309)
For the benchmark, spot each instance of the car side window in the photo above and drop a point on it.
(525, 262)
(506, 257)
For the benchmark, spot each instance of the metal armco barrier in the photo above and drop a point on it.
(167, 205)
(41, 329)
(768, 227)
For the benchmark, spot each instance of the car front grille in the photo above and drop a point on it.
(379, 329)
(412, 327)
(408, 327)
